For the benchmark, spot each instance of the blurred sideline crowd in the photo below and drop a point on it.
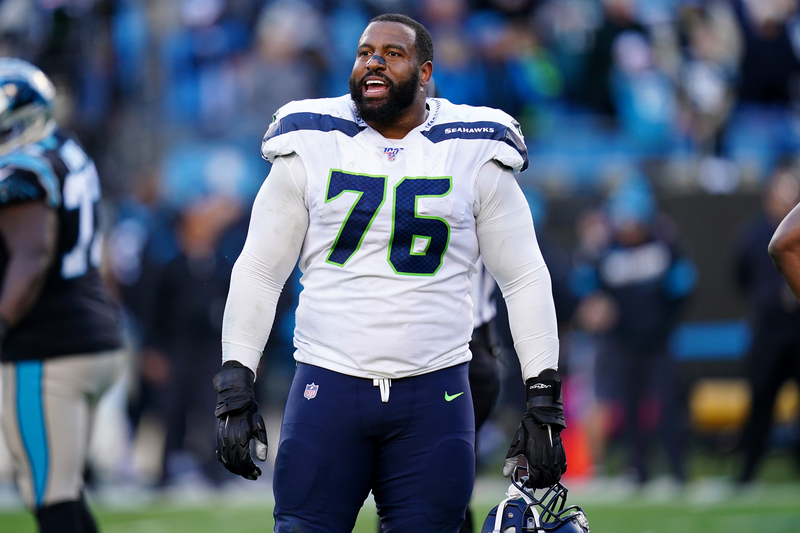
(627, 106)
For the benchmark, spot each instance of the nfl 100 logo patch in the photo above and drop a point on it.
(391, 153)
(311, 391)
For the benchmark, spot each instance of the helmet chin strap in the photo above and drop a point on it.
(514, 493)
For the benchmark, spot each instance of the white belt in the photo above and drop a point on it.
(385, 384)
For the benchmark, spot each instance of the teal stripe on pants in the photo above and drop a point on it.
(31, 421)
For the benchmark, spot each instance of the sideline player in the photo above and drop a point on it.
(388, 198)
(59, 327)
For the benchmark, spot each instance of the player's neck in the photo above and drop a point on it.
(409, 119)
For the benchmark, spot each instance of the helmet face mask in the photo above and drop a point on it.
(26, 104)
(523, 512)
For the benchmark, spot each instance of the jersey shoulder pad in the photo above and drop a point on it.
(459, 121)
(321, 115)
(25, 177)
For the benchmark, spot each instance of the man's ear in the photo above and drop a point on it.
(425, 74)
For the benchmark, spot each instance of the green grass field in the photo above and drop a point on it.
(704, 507)
(708, 504)
(610, 518)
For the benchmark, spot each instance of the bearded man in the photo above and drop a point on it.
(388, 198)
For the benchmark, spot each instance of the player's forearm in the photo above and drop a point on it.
(23, 281)
(29, 233)
(249, 312)
(275, 237)
(511, 253)
(532, 319)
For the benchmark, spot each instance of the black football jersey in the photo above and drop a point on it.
(74, 313)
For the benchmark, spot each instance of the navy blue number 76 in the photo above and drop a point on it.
(418, 243)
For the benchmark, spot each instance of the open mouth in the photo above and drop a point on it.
(375, 87)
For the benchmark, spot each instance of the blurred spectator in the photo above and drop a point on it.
(459, 75)
(769, 66)
(632, 293)
(642, 95)
(183, 334)
(490, 35)
(140, 242)
(619, 21)
(520, 75)
(345, 22)
(441, 15)
(537, 82)
(592, 318)
(708, 73)
(762, 126)
(774, 355)
(71, 41)
(567, 28)
(285, 64)
(137, 217)
(23, 29)
(197, 66)
(197, 226)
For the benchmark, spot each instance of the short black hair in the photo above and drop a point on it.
(423, 42)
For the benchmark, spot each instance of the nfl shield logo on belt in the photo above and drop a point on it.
(311, 391)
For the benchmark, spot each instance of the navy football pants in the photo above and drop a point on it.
(414, 452)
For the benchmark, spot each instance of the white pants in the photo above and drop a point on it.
(48, 410)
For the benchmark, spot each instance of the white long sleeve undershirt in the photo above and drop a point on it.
(278, 227)
(511, 253)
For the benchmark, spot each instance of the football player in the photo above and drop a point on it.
(61, 346)
(387, 197)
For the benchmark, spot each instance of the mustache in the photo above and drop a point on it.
(375, 75)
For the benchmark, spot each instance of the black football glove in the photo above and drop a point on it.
(538, 437)
(241, 428)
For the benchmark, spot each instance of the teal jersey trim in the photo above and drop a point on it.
(39, 166)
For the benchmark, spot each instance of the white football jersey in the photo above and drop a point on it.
(391, 240)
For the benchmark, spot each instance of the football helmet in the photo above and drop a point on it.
(522, 512)
(26, 104)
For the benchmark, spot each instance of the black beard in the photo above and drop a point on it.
(399, 98)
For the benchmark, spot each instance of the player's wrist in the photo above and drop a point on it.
(543, 399)
(234, 385)
(543, 390)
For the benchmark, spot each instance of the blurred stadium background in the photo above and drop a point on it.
(698, 99)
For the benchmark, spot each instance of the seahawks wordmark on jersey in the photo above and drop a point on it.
(391, 241)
